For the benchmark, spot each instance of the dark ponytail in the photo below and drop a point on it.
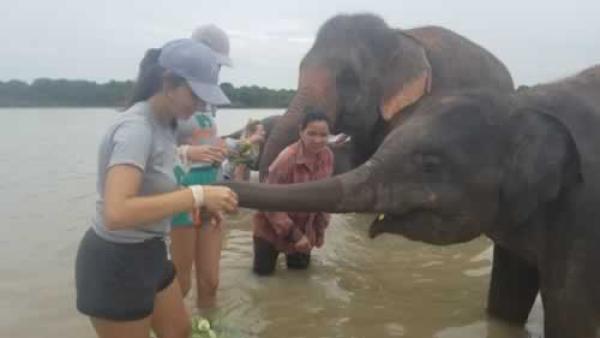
(149, 79)
(151, 76)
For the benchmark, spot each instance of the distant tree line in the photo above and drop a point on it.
(257, 97)
(81, 93)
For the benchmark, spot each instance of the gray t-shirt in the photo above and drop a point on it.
(139, 139)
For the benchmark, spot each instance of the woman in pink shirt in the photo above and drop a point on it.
(295, 233)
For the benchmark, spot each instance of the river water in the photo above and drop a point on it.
(356, 287)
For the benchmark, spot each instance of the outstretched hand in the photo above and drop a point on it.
(206, 153)
(218, 199)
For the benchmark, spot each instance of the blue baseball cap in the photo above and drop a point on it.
(198, 65)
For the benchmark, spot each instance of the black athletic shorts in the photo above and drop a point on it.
(119, 281)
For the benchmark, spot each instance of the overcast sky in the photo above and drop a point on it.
(539, 40)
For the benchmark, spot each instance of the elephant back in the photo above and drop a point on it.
(458, 62)
(574, 101)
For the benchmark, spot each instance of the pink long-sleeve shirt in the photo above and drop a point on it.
(291, 166)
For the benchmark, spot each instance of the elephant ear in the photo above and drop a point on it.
(406, 76)
(541, 162)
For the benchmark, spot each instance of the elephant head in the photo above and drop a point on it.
(360, 72)
(447, 173)
(487, 163)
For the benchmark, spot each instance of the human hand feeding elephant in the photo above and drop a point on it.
(522, 169)
(366, 76)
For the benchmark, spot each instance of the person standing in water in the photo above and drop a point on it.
(195, 239)
(124, 280)
(295, 233)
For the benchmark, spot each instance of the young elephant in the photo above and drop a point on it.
(523, 169)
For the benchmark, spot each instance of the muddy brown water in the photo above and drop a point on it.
(356, 287)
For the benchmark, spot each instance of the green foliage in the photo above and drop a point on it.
(257, 97)
(80, 93)
(201, 329)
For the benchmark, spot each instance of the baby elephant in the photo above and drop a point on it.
(525, 171)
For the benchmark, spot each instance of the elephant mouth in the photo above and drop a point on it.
(399, 223)
(426, 225)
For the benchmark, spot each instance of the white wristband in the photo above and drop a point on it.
(182, 152)
(198, 193)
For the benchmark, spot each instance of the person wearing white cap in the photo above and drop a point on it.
(215, 38)
(195, 239)
(124, 281)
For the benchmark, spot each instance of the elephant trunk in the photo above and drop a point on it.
(315, 88)
(348, 192)
(283, 133)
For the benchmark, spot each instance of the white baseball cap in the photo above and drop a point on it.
(215, 38)
(198, 65)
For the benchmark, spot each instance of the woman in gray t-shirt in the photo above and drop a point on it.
(123, 278)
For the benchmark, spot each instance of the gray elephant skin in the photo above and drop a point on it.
(522, 169)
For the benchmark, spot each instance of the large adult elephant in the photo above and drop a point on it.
(523, 169)
(366, 76)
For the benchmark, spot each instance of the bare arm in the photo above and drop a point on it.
(205, 153)
(125, 209)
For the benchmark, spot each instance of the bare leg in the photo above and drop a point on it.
(183, 242)
(117, 329)
(170, 318)
(208, 256)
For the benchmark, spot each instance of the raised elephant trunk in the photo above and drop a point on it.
(315, 88)
(283, 133)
